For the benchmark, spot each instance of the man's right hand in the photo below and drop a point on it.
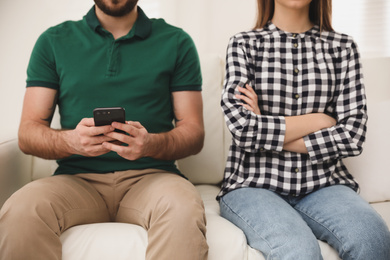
(37, 138)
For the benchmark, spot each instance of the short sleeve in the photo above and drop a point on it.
(187, 74)
(41, 69)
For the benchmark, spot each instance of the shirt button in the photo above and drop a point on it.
(296, 45)
(294, 35)
(297, 96)
(296, 71)
(262, 149)
(296, 170)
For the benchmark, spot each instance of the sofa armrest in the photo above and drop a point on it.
(15, 168)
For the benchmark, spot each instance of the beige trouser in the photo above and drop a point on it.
(165, 204)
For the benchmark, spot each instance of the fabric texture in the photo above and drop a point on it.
(292, 74)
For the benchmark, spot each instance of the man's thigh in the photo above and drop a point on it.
(156, 193)
(60, 201)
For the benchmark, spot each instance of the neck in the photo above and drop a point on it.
(117, 26)
(292, 20)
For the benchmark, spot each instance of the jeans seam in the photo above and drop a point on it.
(333, 233)
(246, 223)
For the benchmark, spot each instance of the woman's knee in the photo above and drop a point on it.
(371, 241)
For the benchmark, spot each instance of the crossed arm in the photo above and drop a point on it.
(37, 138)
(296, 126)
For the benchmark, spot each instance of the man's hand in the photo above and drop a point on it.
(137, 142)
(87, 140)
(185, 139)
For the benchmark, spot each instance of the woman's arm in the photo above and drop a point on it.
(296, 126)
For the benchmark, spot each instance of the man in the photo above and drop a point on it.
(115, 56)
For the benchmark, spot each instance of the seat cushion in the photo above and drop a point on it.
(104, 241)
(125, 241)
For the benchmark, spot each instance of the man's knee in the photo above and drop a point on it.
(182, 201)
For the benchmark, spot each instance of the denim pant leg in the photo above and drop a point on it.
(270, 224)
(349, 224)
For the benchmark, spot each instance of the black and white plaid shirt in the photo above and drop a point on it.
(293, 74)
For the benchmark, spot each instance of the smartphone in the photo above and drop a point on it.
(107, 115)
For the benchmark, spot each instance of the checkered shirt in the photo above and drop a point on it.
(292, 74)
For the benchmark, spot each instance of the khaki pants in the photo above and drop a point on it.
(165, 204)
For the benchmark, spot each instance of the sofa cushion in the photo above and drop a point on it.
(207, 167)
(103, 241)
(15, 168)
(371, 168)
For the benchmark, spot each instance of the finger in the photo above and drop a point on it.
(135, 124)
(132, 129)
(87, 122)
(248, 107)
(119, 149)
(100, 130)
(98, 140)
(249, 92)
(119, 137)
(246, 99)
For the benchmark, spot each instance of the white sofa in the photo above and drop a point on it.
(124, 241)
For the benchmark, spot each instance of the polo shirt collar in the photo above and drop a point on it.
(142, 26)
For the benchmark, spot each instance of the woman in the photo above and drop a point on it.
(295, 104)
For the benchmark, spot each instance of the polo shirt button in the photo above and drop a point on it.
(297, 96)
(296, 71)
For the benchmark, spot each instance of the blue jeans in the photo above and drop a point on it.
(287, 227)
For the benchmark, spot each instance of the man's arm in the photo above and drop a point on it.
(184, 140)
(37, 138)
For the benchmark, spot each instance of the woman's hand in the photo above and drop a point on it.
(249, 95)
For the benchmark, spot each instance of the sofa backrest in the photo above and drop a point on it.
(371, 167)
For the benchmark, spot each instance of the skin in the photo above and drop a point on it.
(37, 138)
(291, 16)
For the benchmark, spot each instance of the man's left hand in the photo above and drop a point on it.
(136, 142)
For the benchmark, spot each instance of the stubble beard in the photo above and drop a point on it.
(114, 9)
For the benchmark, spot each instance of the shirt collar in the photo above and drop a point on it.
(142, 26)
(275, 31)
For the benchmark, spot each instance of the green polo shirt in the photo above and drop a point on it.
(139, 72)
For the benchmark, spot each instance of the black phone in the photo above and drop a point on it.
(107, 115)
